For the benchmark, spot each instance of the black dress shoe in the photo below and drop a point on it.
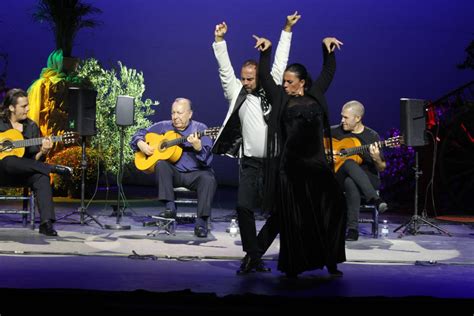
(61, 170)
(333, 271)
(47, 229)
(168, 214)
(291, 275)
(249, 265)
(261, 267)
(200, 232)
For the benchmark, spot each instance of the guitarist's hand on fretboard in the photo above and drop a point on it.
(195, 141)
(374, 152)
(46, 145)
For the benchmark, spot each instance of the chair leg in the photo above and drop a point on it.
(375, 224)
(25, 206)
(32, 210)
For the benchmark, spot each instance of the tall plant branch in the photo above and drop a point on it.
(66, 18)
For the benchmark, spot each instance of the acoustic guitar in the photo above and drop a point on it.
(166, 148)
(12, 142)
(351, 148)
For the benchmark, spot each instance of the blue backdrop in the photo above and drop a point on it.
(392, 49)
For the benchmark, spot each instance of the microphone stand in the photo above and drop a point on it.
(414, 224)
(120, 193)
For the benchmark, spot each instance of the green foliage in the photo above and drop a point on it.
(109, 84)
(72, 157)
(11, 191)
(66, 18)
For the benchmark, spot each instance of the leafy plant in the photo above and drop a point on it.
(66, 18)
(72, 157)
(109, 84)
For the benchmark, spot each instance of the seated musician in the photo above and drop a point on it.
(28, 170)
(192, 170)
(359, 181)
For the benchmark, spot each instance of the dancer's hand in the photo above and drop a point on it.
(262, 43)
(220, 31)
(331, 43)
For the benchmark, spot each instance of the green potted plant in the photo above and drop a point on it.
(110, 83)
(66, 18)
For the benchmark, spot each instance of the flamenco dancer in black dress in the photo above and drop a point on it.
(308, 206)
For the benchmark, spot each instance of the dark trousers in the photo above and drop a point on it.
(21, 172)
(357, 185)
(201, 181)
(250, 193)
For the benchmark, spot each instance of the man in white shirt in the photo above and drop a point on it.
(244, 135)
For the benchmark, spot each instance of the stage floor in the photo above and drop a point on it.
(87, 257)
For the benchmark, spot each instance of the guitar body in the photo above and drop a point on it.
(6, 138)
(345, 143)
(172, 154)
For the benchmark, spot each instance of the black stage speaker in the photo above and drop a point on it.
(413, 121)
(82, 108)
(124, 110)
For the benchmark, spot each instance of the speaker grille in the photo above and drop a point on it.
(82, 111)
(413, 121)
(124, 110)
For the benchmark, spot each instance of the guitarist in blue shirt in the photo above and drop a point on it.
(193, 168)
(28, 170)
(359, 180)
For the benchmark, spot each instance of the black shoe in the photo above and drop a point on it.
(261, 267)
(381, 205)
(168, 214)
(47, 229)
(249, 265)
(291, 275)
(352, 235)
(333, 271)
(61, 170)
(200, 232)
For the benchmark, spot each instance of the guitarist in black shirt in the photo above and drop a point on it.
(359, 180)
(29, 170)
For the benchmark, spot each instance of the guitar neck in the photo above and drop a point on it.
(362, 149)
(34, 141)
(180, 140)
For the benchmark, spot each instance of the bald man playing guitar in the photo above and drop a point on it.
(359, 176)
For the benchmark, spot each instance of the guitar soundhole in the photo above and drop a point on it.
(6, 146)
(163, 146)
